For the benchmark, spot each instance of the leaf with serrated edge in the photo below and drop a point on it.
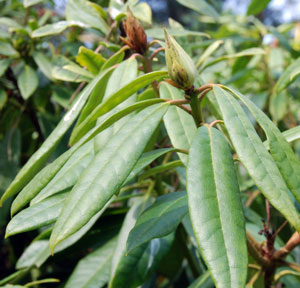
(255, 157)
(215, 208)
(106, 173)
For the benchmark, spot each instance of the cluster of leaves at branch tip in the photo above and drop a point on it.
(180, 66)
(136, 36)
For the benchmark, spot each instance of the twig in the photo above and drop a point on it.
(216, 122)
(252, 197)
(156, 52)
(280, 228)
(268, 212)
(293, 242)
(203, 93)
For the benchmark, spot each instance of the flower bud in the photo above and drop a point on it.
(181, 67)
(136, 36)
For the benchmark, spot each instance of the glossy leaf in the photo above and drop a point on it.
(40, 157)
(93, 270)
(36, 216)
(215, 208)
(72, 67)
(254, 156)
(292, 134)
(115, 58)
(209, 51)
(179, 124)
(56, 28)
(158, 33)
(106, 173)
(158, 220)
(200, 6)
(115, 99)
(27, 82)
(281, 151)
(87, 15)
(90, 59)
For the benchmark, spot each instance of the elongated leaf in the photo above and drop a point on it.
(158, 220)
(292, 134)
(200, 6)
(209, 51)
(255, 157)
(4, 63)
(115, 99)
(247, 52)
(87, 15)
(72, 67)
(69, 174)
(56, 28)
(27, 82)
(215, 208)
(115, 58)
(106, 173)
(203, 281)
(93, 270)
(43, 63)
(158, 33)
(40, 157)
(7, 49)
(180, 125)
(146, 159)
(36, 216)
(285, 79)
(3, 98)
(129, 271)
(257, 6)
(92, 60)
(281, 151)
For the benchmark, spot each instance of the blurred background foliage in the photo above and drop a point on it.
(250, 45)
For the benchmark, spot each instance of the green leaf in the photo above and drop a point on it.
(244, 53)
(209, 51)
(7, 49)
(146, 159)
(282, 153)
(254, 156)
(203, 281)
(90, 59)
(87, 15)
(215, 208)
(158, 33)
(36, 216)
(158, 220)
(69, 174)
(292, 134)
(93, 270)
(3, 98)
(114, 100)
(10, 23)
(4, 63)
(287, 76)
(27, 82)
(257, 6)
(180, 125)
(115, 58)
(200, 6)
(109, 170)
(13, 277)
(40, 157)
(65, 70)
(28, 3)
(129, 271)
(44, 63)
(143, 12)
(278, 105)
(56, 28)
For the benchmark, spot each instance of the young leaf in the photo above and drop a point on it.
(27, 82)
(36, 216)
(215, 208)
(256, 6)
(90, 59)
(158, 220)
(94, 269)
(40, 157)
(115, 99)
(179, 124)
(281, 151)
(255, 157)
(106, 173)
